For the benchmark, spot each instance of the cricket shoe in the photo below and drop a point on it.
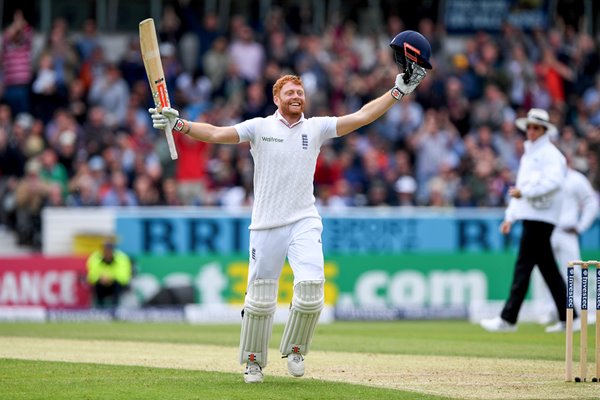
(561, 326)
(253, 373)
(295, 363)
(497, 325)
(547, 318)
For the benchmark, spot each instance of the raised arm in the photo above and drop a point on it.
(197, 130)
(375, 108)
(367, 114)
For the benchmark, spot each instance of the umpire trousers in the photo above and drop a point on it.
(535, 249)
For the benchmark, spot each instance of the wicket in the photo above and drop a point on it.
(584, 321)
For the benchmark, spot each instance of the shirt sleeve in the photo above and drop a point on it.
(588, 201)
(122, 271)
(328, 128)
(93, 268)
(511, 210)
(247, 129)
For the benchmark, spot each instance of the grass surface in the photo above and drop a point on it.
(404, 337)
(25, 379)
(31, 380)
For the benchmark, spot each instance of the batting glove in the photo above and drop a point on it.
(166, 118)
(401, 88)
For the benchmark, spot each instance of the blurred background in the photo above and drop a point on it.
(411, 203)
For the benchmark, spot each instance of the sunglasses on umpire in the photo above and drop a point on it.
(535, 127)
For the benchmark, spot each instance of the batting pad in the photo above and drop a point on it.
(259, 307)
(307, 304)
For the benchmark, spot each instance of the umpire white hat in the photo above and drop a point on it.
(537, 116)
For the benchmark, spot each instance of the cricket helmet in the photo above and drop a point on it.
(411, 47)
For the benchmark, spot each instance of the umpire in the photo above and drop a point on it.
(536, 201)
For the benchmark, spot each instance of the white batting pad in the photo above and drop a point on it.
(307, 304)
(257, 323)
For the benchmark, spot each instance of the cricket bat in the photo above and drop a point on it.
(156, 76)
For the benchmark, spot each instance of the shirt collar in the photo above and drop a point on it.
(541, 141)
(280, 117)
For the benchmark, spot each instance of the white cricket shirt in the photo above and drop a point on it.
(580, 203)
(541, 174)
(285, 157)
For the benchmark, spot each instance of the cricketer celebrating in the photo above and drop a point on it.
(285, 221)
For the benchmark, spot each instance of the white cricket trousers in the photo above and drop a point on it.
(565, 247)
(299, 241)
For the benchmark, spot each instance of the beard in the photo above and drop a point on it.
(287, 109)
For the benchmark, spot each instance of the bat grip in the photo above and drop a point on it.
(169, 136)
(406, 76)
(171, 143)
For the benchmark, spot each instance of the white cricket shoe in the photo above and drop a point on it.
(253, 373)
(295, 363)
(548, 317)
(497, 325)
(561, 326)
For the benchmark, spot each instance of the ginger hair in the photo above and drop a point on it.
(283, 80)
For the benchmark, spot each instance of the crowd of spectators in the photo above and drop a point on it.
(74, 127)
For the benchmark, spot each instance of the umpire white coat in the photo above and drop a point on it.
(541, 174)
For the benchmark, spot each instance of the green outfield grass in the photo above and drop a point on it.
(405, 337)
(28, 379)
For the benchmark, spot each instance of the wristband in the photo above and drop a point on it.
(396, 93)
(181, 126)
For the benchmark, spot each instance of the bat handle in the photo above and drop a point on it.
(169, 136)
(406, 76)
(171, 142)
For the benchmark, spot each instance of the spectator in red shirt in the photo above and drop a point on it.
(17, 44)
(191, 173)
